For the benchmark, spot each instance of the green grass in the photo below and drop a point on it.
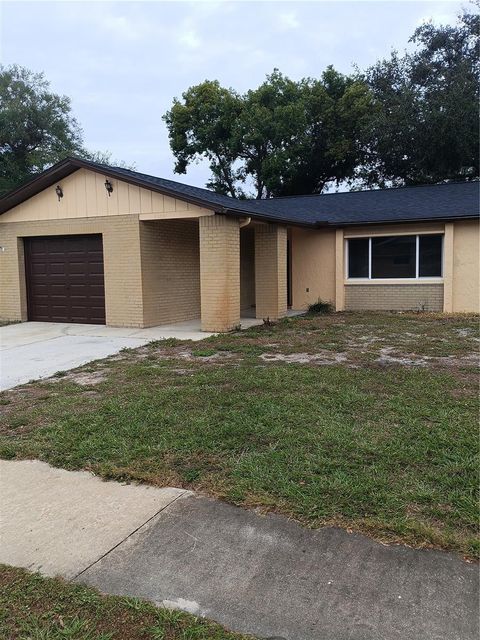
(37, 608)
(349, 438)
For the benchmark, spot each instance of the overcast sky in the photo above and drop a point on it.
(122, 63)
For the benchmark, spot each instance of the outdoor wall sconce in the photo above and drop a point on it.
(108, 187)
(59, 192)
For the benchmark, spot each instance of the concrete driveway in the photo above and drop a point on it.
(33, 350)
(256, 574)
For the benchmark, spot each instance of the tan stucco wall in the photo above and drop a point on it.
(313, 266)
(170, 251)
(466, 267)
(122, 264)
(318, 263)
(247, 269)
(84, 195)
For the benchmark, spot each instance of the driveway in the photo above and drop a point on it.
(256, 574)
(33, 350)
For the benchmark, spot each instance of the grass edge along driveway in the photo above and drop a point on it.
(32, 606)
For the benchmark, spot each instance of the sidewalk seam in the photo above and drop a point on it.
(128, 536)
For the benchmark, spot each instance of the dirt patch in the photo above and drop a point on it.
(323, 358)
(87, 378)
(388, 355)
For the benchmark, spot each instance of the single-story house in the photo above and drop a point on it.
(85, 242)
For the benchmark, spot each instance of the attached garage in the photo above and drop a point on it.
(64, 278)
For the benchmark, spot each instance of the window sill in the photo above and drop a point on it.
(364, 281)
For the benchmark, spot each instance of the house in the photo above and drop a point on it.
(84, 242)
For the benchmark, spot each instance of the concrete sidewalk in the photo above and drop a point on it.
(261, 575)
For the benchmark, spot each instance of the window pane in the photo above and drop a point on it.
(358, 258)
(430, 258)
(394, 257)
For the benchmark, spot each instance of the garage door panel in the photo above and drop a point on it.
(65, 280)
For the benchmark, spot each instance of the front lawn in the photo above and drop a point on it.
(37, 608)
(363, 420)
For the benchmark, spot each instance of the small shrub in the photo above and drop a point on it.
(320, 306)
(268, 323)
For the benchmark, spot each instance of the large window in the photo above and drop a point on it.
(418, 256)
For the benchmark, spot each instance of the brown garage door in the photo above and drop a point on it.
(65, 279)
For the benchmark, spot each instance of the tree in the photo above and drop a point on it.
(37, 128)
(202, 125)
(283, 137)
(424, 128)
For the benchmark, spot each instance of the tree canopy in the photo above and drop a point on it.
(425, 127)
(37, 128)
(284, 137)
(412, 118)
(409, 119)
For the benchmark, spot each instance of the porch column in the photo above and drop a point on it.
(219, 272)
(270, 271)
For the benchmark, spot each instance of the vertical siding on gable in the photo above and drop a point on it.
(84, 195)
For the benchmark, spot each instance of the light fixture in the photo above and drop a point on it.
(59, 192)
(108, 186)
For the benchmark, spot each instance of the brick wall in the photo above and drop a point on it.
(121, 253)
(170, 271)
(394, 297)
(219, 272)
(271, 271)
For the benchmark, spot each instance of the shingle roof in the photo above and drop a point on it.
(430, 202)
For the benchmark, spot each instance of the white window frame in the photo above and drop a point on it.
(417, 277)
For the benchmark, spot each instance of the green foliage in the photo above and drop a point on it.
(284, 137)
(424, 128)
(37, 128)
(320, 306)
(411, 119)
(202, 126)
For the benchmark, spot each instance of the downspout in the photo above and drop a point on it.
(245, 222)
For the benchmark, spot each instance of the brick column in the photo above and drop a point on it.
(270, 271)
(219, 272)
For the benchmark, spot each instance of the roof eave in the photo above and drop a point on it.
(357, 223)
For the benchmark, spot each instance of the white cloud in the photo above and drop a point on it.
(189, 38)
(287, 21)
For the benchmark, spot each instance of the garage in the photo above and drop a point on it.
(65, 279)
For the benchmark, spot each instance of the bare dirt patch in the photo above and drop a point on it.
(86, 378)
(323, 358)
(389, 355)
